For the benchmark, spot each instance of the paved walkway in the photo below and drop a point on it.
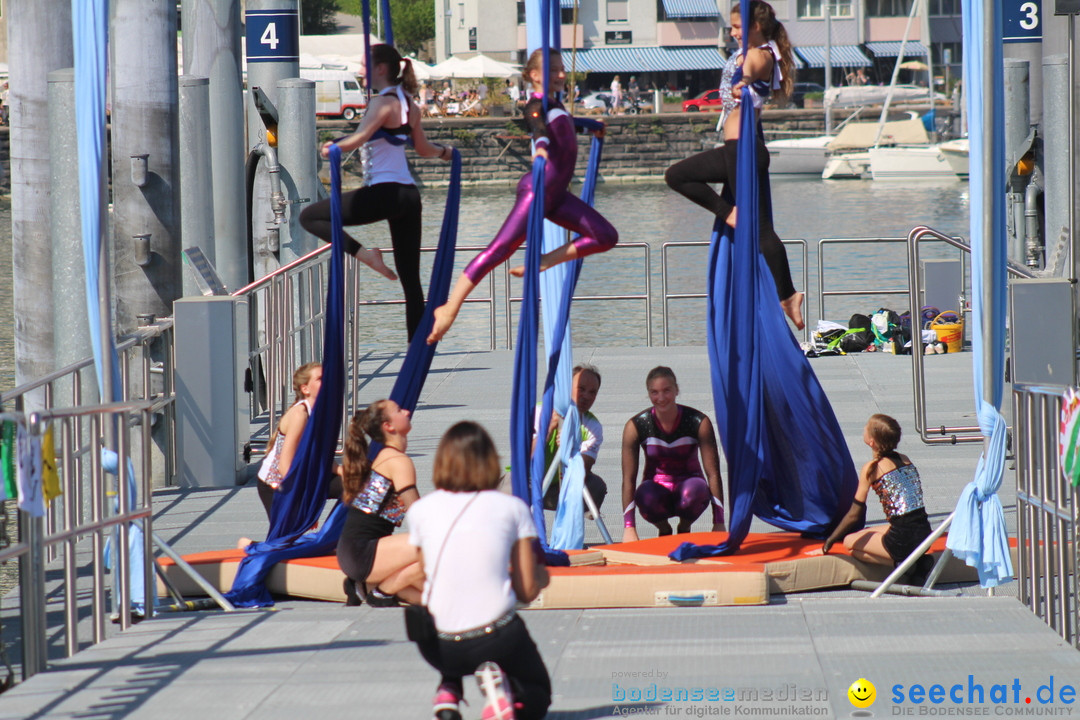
(793, 658)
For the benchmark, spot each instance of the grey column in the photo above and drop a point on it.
(145, 164)
(196, 180)
(72, 326)
(39, 41)
(211, 37)
(1017, 127)
(297, 157)
(1055, 165)
(265, 75)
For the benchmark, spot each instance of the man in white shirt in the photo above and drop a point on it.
(586, 385)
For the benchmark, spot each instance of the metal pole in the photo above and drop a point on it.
(828, 65)
(1073, 250)
(39, 41)
(71, 336)
(1056, 165)
(196, 178)
(146, 209)
(212, 50)
(1017, 126)
(297, 157)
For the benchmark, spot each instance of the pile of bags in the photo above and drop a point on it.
(883, 331)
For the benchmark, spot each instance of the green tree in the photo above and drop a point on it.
(413, 20)
(317, 17)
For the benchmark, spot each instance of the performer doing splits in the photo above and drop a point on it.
(672, 483)
(389, 192)
(896, 481)
(554, 140)
(768, 66)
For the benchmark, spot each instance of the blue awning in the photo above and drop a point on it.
(647, 59)
(913, 48)
(690, 8)
(840, 56)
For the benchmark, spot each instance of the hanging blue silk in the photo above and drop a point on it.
(788, 462)
(568, 528)
(248, 588)
(388, 27)
(366, 15)
(978, 534)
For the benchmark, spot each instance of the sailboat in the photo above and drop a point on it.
(903, 160)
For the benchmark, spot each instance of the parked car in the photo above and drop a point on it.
(708, 100)
(597, 100)
(801, 89)
(337, 93)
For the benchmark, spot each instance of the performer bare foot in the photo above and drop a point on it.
(372, 257)
(793, 308)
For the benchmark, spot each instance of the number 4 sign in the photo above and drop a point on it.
(1022, 21)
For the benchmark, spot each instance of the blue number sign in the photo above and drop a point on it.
(273, 35)
(1022, 21)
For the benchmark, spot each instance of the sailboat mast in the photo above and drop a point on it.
(895, 73)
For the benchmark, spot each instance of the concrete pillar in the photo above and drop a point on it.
(297, 157)
(72, 326)
(196, 182)
(145, 162)
(1055, 165)
(39, 42)
(211, 37)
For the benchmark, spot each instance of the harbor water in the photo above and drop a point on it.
(807, 208)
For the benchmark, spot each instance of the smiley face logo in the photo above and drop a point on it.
(862, 693)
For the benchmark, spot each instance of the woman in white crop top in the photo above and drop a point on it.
(392, 119)
(768, 67)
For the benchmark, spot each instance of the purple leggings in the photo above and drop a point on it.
(562, 208)
(684, 499)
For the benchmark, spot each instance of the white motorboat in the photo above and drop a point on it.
(798, 156)
(848, 155)
(942, 161)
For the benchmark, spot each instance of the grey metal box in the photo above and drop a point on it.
(1042, 322)
(212, 409)
(942, 284)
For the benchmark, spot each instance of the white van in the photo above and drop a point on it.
(337, 92)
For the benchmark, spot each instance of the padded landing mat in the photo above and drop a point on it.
(784, 557)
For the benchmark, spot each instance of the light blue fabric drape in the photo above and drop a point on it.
(978, 534)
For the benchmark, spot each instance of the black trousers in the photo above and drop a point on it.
(400, 206)
(512, 649)
(691, 177)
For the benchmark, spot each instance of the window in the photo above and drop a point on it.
(566, 15)
(816, 8)
(944, 7)
(521, 12)
(618, 11)
(461, 14)
(888, 8)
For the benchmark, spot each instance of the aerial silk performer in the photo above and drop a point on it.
(299, 504)
(978, 534)
(90, 44)
(788, 462)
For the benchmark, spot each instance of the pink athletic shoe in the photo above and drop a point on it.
(446, 704)
(498, 704)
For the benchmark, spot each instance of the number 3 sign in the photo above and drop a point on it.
(1022, 21)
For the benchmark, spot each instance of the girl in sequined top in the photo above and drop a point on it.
(554, 139)
(767, 69)
(896, 481)
(392, 119)
(378, 564)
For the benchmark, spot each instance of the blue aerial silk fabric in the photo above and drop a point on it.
(366, 14)
(978, 534)
(788, 462)
(90, 50)
(568, 528)
(388, 27)
(248, 588)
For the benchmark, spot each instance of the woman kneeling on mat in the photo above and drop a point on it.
(379, 564)
(896, 481)
(553, 139)
(478, 549)
(672, 483)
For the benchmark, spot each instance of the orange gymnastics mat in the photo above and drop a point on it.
(637, 574)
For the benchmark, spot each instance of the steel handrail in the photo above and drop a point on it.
(666, 295)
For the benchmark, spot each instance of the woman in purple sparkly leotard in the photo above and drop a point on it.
(554, 140)
(673, 483)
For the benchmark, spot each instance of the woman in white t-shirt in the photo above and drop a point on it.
(477, 545)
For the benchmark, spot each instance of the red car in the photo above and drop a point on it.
(708, 100)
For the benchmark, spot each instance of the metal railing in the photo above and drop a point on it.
(1046, 513)
(668, 296)
(287, 314)
(645, 297)
(942, 434)
(90, 504)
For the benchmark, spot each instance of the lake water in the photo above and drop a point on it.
(806, 208)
